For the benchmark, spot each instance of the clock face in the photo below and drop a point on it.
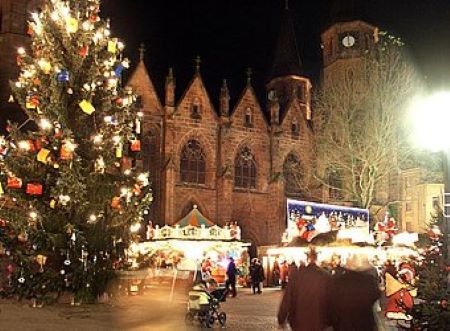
(348, 41)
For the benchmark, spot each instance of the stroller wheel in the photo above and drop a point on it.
(209, 321)
(189, 318)
(222, 319)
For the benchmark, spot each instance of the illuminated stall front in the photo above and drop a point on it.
(191, 242)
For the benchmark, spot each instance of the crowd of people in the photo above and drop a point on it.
(342, 298)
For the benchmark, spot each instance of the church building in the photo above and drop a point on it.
(238, 162)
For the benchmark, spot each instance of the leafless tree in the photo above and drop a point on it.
(358, 122)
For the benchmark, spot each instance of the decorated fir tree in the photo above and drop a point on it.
(70, 193)
(432, 311)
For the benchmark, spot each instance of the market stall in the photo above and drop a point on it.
(195, 244)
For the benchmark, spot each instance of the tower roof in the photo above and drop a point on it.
(286, 60)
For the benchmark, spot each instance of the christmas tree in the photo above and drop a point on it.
(431, 311)
(70, 192)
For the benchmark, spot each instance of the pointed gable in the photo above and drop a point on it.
(294, 114)
(142, 85)
(248, 104)
(196, 96)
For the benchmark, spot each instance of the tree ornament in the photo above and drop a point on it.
(67, 262)
(21, 280)
(112, 46)
(119, 150)
(87, 107)
(14, 182)
(11, 99)
(63, 76)
(66, 152)
(41, 260)
(119, 69)
(32, 102)
(71, 25)
(34, 189)
(135, 145)
(43, 154)
(1, 190)
(45, 66)
(70, 91)
(52, 204)
(84, 51)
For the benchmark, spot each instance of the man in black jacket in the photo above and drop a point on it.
(231, 277)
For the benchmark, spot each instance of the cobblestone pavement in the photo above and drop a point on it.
(151, 311)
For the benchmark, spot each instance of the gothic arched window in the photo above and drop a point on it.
(245, 169)
(248, 121)
(150, 151)
(294, 128)
(196, 109)
(192, 163)
(293, 174)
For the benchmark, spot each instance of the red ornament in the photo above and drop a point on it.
(83, 52)
(14, 182)
(34, 189)
(135, 145)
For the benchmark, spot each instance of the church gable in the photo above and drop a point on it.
(248, 113)
(196, 103)
(294, 123)
(142, 85)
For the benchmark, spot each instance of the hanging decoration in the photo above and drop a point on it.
(87, 107)
(14, 182)
(34, 189)
(43, 154)
(63, 76)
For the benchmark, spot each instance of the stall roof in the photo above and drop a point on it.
(195, 218)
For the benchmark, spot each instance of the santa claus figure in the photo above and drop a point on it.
(400, 292)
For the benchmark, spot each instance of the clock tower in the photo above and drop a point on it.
(346, 39)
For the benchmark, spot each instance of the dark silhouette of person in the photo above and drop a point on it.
(231, 277)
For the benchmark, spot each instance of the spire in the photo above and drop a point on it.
(286, 60)
(197, 61)
(170, 89)
(141, 52)
(249, 73)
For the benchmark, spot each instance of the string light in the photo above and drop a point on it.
(45, 124)
(25, 145)
(21, 51)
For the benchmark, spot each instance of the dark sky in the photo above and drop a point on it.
(231, 35)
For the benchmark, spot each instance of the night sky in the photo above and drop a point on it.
(231, 35)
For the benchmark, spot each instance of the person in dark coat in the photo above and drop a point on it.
(304, 304)
(352, 296)
(231, 277)
(256, 276)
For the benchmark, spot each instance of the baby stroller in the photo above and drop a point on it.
(203, 306)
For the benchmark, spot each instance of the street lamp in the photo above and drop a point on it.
(431, 130)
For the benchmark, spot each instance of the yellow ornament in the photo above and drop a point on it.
(119, 152)
(112, 46)
(72, 25)
(1, 190)
(87, 107)
(42, 155)
(45, 66)
(53, 204)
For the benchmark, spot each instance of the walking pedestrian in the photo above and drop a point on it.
(255, 275)
(304, 303)
(231, 277)
(352, 295)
